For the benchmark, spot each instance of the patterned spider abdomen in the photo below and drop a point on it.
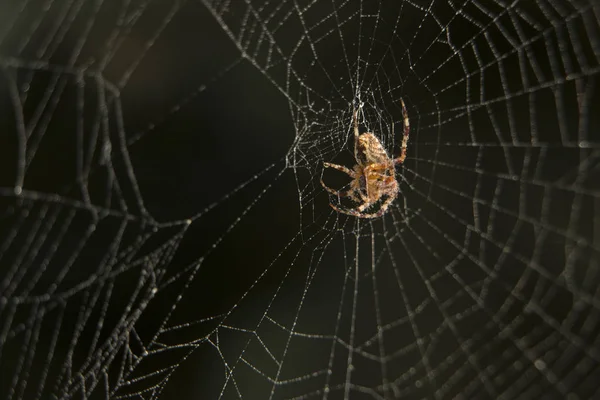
(369, 150)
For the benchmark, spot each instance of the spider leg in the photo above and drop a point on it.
(355, 120)
(349, 192)
(363, 197)
(357, 194)
(386, 204)
(357, 199)
(402, 156)
(367, 170)
(345, 193)
(356, 132)
(346, 211)
(376, 167)
(364, 206)
(356, 213)
(340, 168)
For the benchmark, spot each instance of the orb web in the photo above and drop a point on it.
(164, 232)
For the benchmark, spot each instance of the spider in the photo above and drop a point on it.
(374, 175)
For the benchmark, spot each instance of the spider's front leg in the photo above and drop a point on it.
(339, 168)
(406, 124)
(356, 133)
(376, 167)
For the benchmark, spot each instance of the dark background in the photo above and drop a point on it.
(171, 227)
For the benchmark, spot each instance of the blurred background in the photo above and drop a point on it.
(164, 233)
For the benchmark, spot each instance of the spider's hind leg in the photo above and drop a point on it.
(346, 211)
(386, 204)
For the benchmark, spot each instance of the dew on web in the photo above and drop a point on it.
(164, 233)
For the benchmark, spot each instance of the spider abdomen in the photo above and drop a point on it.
(369, 150)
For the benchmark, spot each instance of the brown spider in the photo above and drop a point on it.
(374, 175)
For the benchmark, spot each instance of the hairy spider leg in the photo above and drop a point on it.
(400, 159)
(337, 192)
(348, 193)
(383, 208)
(356, 133)
(368, 203)
(358, 214)
(346, 211)
(365, 205)
(356, 185)
(340, 168)
(377, 167)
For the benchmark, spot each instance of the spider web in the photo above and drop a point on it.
(164, 233)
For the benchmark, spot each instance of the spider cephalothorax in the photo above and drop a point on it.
(374, 175)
